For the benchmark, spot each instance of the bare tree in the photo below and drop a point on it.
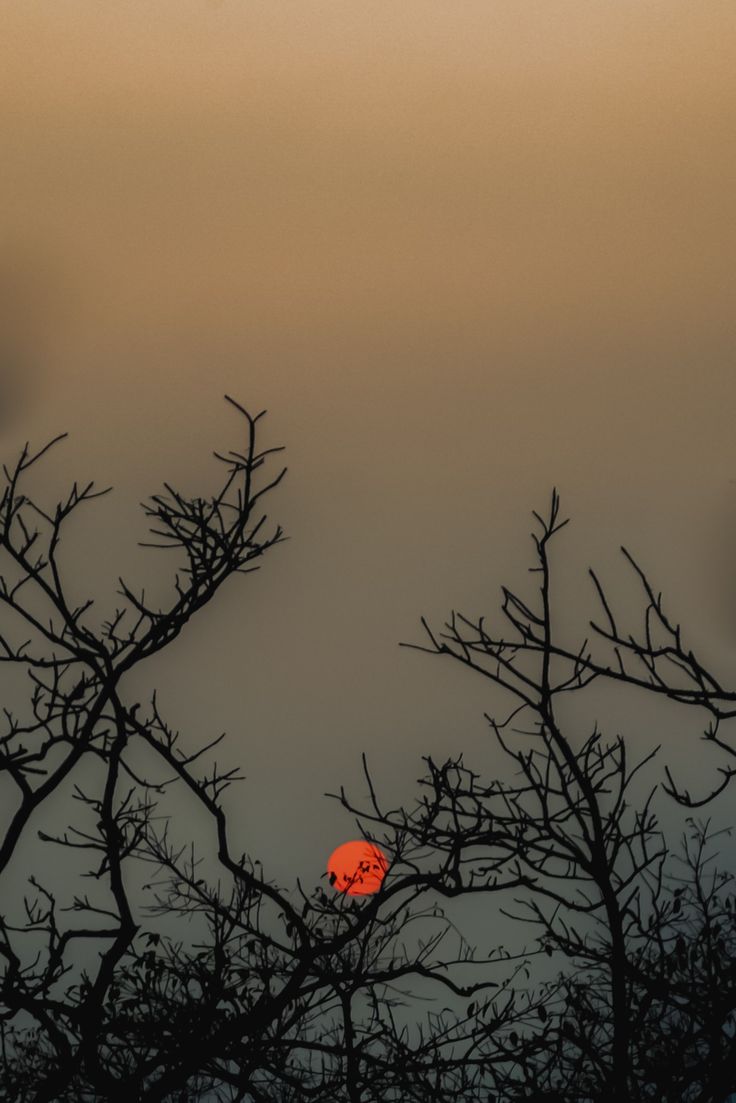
(644, 1007)
(285, 997)
(291, 996)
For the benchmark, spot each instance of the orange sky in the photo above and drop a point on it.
(460, 251)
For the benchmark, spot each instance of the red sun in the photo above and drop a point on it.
(357, 868)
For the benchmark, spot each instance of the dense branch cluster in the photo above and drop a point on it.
(299, 995)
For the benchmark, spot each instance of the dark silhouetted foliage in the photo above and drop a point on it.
(289, 996)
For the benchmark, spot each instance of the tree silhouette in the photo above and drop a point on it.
(291, 996)
(644, 1007)
(285, 998)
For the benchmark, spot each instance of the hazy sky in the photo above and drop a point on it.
(461, 251)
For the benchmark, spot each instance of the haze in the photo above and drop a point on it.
(461, 252)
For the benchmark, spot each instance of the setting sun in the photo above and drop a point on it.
(357, 868)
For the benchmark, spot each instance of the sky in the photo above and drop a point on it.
(462, 253)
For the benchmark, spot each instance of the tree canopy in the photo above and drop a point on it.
(626, 990)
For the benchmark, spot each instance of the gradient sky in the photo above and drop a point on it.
(461, 252)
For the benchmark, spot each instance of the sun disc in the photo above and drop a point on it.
(357, 868)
